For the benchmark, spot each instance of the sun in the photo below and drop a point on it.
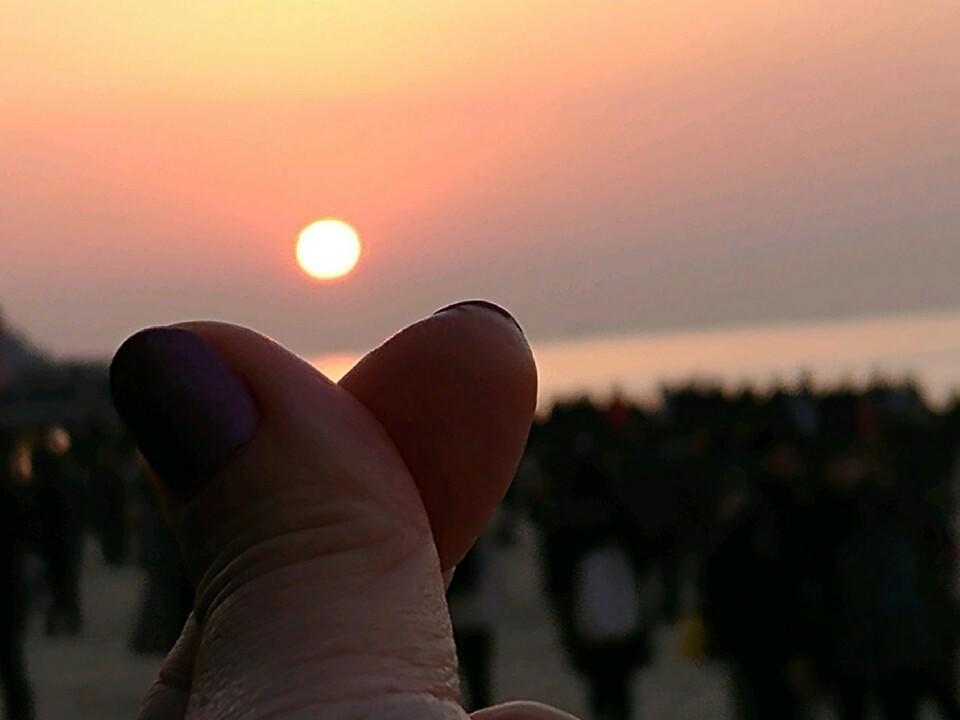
(328, 249)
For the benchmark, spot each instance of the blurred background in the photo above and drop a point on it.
(731, 232)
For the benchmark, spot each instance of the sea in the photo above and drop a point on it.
(921, 347)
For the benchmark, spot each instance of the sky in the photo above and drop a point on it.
(596, 167)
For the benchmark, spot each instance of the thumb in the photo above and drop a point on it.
(319, 590)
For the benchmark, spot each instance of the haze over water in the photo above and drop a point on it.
(924, 346)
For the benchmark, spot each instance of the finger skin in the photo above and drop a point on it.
(167, 699)
(312, 434)
(456, 392)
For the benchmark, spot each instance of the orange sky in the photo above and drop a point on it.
(594, 166)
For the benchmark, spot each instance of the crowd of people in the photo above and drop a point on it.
(803, 538)
(57, 488)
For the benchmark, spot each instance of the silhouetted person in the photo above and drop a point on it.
(610, 632)
(922, 455)
(61, 502)
(597, 584)
(108, 484)
(881, 639)
(937, 563)
(18, 525)
(755, 585)
(470, 601)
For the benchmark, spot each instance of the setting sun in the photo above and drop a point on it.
(328, 249)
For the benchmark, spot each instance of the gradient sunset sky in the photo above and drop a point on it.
(594, 166)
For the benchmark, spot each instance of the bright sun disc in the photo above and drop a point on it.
(328, 249)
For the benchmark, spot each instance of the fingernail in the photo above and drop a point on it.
(485, 304)
(187, 409)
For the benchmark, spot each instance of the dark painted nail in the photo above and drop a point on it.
(187, 409)
(485, 304)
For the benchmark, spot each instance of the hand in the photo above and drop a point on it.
(320, 520)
